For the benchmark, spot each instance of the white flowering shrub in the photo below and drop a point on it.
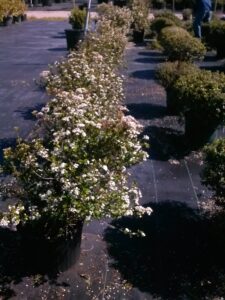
(140, 11)
(109, 41)
(120, 17)
(74, 165)
(80, 70)
(77, 170)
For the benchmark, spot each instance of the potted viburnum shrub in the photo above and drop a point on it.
(75, 172)
(73, 168)
(120, 18)
(140, 10)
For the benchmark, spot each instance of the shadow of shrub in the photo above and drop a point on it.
(181, 257)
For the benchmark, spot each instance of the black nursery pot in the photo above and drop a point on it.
(7, 21)
(138, 36)
(51, 256)
(73, 37)
(16, 19)
(23, 17)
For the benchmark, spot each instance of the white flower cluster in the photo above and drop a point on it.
(119, 17)
(75, 165)
(43, 78)
(140, 11)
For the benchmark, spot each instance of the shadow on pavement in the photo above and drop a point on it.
(166, 143)
(144, 74)
(27, 112)
(181, 257)
(57, 49)
(146, 110)
(58, 37)
(152, 54)
(214, 68)
(150, 59)
(27, 254)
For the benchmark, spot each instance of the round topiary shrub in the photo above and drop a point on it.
(178, 44)
(159, 23)
(213, 174)
(200, 96)
(214, 34)
(169, 15)
(167, 74)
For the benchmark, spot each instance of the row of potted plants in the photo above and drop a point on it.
(12, 11)
(213, 32)
(198, 95)
(73, 167)
(194, 93)
(137, 14)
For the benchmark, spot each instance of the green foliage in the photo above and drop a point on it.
(159, 23)
(213, 174)
(178, 44)
(154, 45)
(188, 25)
(74, 168)
(167, 73)
(202, 93)
(140, 11)
(214, 35)
(169, 15)
(77, 18)
(11, 8)
(119, 17)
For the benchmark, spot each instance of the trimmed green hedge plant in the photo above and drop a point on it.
(213, 174)
(178, 44)
(200, 96)
(167, 74)
(159, 23)
(169, 15)
(214, 35)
